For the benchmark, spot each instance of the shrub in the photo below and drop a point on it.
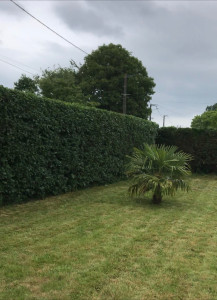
(160, 169)
(50, 147)
(200, 143)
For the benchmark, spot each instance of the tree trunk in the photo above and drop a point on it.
(157, 197)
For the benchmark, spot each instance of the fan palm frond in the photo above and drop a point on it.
(158, 168)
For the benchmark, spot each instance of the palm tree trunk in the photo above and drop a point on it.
(157, 196)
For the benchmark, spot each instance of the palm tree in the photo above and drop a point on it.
(160, 169)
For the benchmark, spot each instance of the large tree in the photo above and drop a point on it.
(102, 75)
(208, 120)
(211, 107)
(60, 83)
(26, 84)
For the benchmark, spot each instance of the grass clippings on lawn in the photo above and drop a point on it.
(99, 244)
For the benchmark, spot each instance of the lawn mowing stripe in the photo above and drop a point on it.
(111, 247)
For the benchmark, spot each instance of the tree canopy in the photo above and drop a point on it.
(212, 107)
(208, 120)
(101, 78)
(98, 82)
(60, 84)
(26, 84)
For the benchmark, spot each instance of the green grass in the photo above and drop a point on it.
(100, 244)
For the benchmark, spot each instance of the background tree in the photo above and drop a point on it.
(60, 84)
(208, 120)
(211, 107)
(101, 78)
(26, 84)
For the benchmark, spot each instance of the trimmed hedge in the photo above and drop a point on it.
(201, 144)
(50, 147)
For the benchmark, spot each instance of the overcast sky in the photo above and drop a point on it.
(176, 41)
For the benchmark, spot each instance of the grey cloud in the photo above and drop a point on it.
(176, 43)
(175, 40)
(87, 19)
(129, 9)
(59, 56)
(7, 7)
(179, 48)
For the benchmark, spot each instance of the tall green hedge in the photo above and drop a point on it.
(201, 144)
(49, 147)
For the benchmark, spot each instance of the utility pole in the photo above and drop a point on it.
(125, 95)
(151, 110)
(164, 116)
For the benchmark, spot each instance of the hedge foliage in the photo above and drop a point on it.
(201, 144)
(50, 147)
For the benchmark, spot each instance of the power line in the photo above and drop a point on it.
(171, 110)
(23, 9)
(21, 63)
(6, 62)
(159, 112)
(163, 116)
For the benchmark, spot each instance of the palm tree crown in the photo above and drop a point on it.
(160, 169)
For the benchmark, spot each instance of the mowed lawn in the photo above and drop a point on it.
(100, 244)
